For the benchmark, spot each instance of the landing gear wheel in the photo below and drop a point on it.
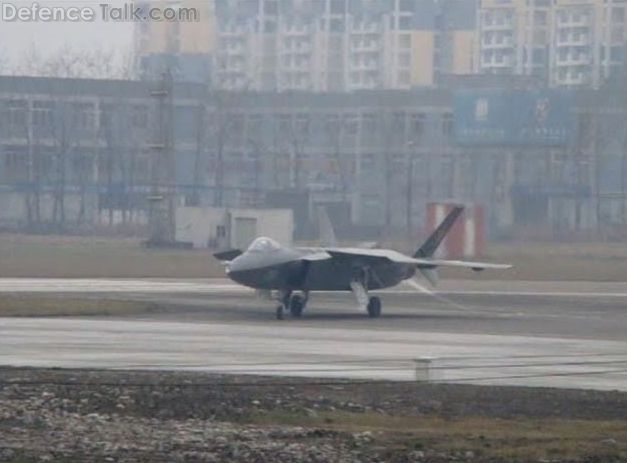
(374, 307)
(297, 304)
(279, 312)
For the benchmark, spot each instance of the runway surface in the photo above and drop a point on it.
(567, 334)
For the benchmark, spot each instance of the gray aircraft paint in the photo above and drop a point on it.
(266, 265)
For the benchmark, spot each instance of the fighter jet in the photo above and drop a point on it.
(292, 273)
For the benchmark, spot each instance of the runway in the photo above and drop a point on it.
(567, 334)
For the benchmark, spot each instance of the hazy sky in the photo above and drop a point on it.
(16, 37)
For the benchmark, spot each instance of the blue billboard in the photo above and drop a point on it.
(513, 117)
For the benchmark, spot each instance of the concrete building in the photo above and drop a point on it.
(316, 45)
(563, 42)
(81, 154)
(184, 48)
(349, 45)
(221, 228)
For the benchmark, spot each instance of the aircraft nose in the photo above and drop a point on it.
(234, 266)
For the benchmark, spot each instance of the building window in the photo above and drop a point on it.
(302, 124)
(618, 15)
(407, 5)
(139, 116)
(448, 124)
(83, 116)
(337, 25)
(338, 6)
(15, 113)
(269, 27)
(351, 124)
(271, 7)
(539, 56)
(254, 126)
(404, 78)
(405, 23)
(369, 124)
(398, 123)
(368, 161)
(332, 128)
(417, 126)
(42, 113)
(539, 18)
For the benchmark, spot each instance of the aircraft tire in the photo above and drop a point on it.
(374, 307)
(297, 304)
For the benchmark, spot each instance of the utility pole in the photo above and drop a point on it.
(161, 214)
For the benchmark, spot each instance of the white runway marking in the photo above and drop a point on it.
(49, 285)
(35, 285)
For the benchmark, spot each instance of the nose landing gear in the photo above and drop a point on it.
(295, 303)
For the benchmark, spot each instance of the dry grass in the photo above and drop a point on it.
(45, 306)
(90, 257)
(554, 261)
(524, 439)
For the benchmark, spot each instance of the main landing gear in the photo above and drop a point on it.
(295, 303)
(370, 304)
(374, 307)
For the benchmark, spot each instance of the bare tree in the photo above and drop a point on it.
(388, 140)
(4, 61)
(335, 130)
(69, 62)
(222, 132)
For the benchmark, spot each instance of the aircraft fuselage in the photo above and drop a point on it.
(282, 269)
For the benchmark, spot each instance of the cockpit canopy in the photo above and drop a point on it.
(264, 244)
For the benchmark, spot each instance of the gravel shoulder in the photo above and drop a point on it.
(124, 416)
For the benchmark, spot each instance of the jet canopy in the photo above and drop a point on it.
(264, 244)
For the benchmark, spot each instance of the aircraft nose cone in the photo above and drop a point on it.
(234, 266)
(236, 270)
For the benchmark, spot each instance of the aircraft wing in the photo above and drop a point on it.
(397, 257)
(228, 255)
(432, 263)
(373, 255)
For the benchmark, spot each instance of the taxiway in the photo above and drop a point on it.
(568, 334)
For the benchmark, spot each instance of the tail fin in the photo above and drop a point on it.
(429, 247)
(327, 234)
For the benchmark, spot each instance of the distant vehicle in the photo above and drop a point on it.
(294, 272)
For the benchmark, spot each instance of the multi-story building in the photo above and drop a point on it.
(321, 45)
(185, 48)
(78, 152)
(562, 42)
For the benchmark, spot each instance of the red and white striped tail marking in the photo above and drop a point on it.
(466, 238)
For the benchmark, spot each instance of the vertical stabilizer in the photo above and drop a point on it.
(429, 247)
(327, 234)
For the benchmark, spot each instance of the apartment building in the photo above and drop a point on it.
(185, 48)
(317, 45)
(562, 42)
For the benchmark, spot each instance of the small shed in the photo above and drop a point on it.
(221, 228)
